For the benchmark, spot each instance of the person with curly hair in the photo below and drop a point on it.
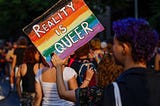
(134, 43)
(26, 73)
(108, 70)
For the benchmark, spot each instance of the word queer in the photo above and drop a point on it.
(69, 40)
(44, 28)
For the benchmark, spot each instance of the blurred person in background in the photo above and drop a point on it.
(81, 63)
(46, 89)
(17, 59)
(134, 44)
(9, 56)
(26, 73)
(107, 70)
(95, 49)
(157, 58)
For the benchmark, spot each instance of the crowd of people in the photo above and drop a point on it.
(90, 75)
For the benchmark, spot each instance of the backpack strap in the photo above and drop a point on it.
(117, 95)
(83, 64)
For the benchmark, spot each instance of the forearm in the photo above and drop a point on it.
(13, 63)
(63, 92)
(85, 83)
(38, 97)
(89, 75)
(59, 80)
(37, 101)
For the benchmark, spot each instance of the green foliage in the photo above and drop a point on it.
(15, 14)
(98, 6)
(155, 6)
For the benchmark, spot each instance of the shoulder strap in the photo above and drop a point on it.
(83, 64)
(90, 64)
(117, 95)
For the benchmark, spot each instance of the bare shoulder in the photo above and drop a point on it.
(37, 66)
(48, 75)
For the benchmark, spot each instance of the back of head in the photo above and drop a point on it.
(95, 43)
(139, 35)
(82, 51)
(22, 41)
(29, 54)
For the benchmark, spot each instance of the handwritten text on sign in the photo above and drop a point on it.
(64, 28)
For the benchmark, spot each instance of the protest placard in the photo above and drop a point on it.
(63, 28)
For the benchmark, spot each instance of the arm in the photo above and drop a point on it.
(38, 97)
(8, 56)
(72, 83)
(62, 91)
(157, 61)
(14, 62)
(37, 66)
(89, 75)
(12, 69)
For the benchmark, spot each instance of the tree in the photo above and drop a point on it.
(15, 14)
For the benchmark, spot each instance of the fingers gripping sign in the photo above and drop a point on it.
(56, 60)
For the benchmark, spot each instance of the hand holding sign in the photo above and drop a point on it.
(64, 28)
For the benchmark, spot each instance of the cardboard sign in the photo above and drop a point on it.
(62, 29)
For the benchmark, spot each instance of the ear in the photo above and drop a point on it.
(126, 48)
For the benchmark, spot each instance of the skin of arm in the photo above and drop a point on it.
(38, 88)
(38, 97)
(63, 92)
(12, 68)
(72, 83)
(37, 66)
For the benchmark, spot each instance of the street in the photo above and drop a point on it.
(11, 100)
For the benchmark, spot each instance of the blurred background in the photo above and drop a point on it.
(16, 14)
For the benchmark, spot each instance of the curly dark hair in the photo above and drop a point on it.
(108, 70)
(138, 33)
(29, 54)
